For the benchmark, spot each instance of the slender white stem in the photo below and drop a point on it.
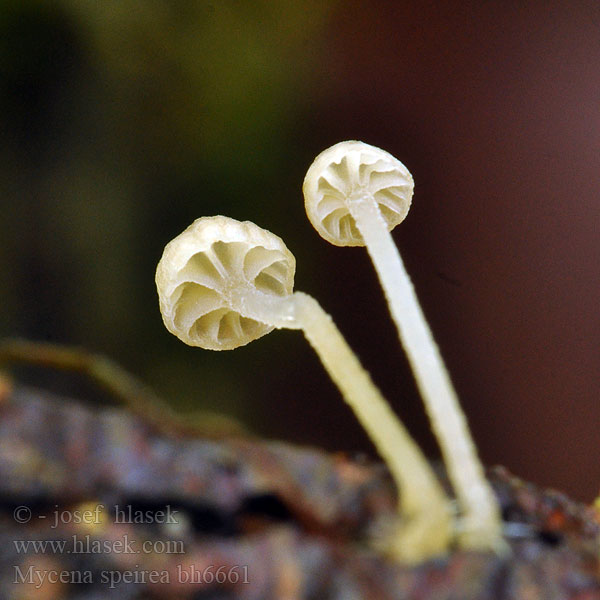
(482, 526)
(423, 505)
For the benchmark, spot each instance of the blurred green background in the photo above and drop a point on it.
(121, 122)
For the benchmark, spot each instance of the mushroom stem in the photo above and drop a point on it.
(481, 525)
(423, 504)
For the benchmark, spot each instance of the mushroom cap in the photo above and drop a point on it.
(350, 170)
(202, 265)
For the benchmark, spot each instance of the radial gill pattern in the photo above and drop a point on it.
(208, 263)
(353, 171)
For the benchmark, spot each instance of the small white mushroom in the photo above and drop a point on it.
(223, 283)
(355, 194)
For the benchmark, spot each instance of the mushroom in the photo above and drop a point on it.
(355, 194)
(223, 283)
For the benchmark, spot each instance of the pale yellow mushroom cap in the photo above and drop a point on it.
(350, 170)
(202, 267)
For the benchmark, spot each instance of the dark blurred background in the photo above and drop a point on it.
(122, 121)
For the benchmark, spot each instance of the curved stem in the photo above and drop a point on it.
(482, 522)
(422, 501)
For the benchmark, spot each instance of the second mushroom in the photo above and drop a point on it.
(354, 195)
